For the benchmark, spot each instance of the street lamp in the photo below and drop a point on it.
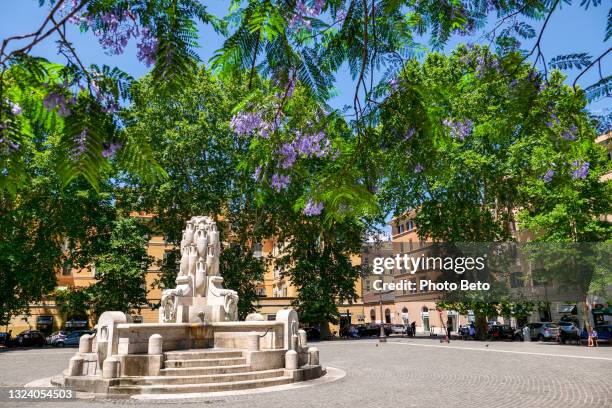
(382, 337)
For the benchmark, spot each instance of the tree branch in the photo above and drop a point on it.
(37, 37)
(596, 61)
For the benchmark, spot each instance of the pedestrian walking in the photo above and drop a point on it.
(413, 328)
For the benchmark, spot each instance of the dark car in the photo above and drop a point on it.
(568, 331)
(372, 329)
(604, 334)
(312, 333)
(72, 339)
(30, 338)
(500, 332)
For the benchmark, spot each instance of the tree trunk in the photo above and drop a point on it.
(481, 326)
(324, 330)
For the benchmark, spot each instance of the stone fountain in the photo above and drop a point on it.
(198, 345)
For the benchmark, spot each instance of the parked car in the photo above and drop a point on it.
(543, 331)
(400, 329)
(30, 338)
(500, 332)
(72, 339)
(372, 329)
(312, 333)
(604, 334)
(56, 335)
(4, 340)
(76, 324)
(568, 331)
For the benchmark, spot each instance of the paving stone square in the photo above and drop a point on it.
(419, 372)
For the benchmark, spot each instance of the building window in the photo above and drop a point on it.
(271, 317)
(424, 289)
(387, 316)
(425, 318)
(410, 225)
(372, 315)
(414, 289)
(261, 292)
(67, 269)
(258, 251)
(400, 228)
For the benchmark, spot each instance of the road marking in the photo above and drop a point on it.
(55, 351)
(500, 351)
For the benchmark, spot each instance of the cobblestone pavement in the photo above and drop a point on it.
(401, 373)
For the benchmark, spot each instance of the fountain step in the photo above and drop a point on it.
(190, 388)
(205, 362)
(202, 379)
(200, 354)
(239, 368)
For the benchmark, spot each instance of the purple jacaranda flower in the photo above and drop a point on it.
(53, 100)
(243, 123)
(570, 134)
(147, 47)
(394, 83)
(459, 129)
(513, 83)
(111, 150)
(266, 128)
(15, 108)
(257, 173)
(303, 14)
(310, 144)
(280, 181)
(567, 135)
(9, 145)
(287, 151)
(409, 133)
(318, 6)
(548, 175)
(312, 208)
(552, 121)
(581, 170)
(419, 168)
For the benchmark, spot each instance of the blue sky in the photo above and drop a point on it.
(572, 29)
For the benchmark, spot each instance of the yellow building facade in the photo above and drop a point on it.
(275, 292)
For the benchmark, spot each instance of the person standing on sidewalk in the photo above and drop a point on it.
(413, 327)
